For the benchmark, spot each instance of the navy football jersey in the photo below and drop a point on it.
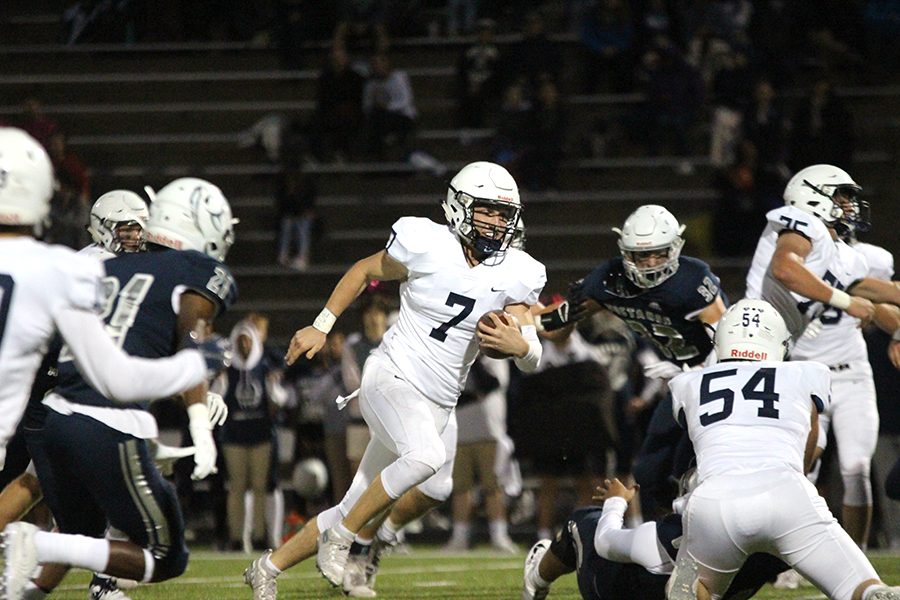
(665, 314)
(139, 292)
(602, 579)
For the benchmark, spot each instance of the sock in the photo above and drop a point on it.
(75, 550)
(544, 534)
(342, 531)
(461, 531)
(363, 541)
(269, 566)
(149, 566)
(537, 580)
(387, 533)
(498, 530)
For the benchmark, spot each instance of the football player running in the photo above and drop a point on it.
(753, 421)
(451, 275)
(94, 461)
(672, 301)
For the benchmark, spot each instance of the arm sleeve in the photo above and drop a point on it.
(639, 546)
(118, 376)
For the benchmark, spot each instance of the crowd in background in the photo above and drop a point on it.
(718, 78)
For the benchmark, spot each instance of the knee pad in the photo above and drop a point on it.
(857, 485)
(411, 469)
(439, 486)
(171, 565)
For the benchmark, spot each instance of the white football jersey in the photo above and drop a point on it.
(96, 251)
(37, 281)
(880, 261)
(761, 283)
(745, 417)
(433, 342)
(836, 339)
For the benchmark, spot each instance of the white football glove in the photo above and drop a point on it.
(662, 370)
(204, 446)
(218, 410)
(166, 456)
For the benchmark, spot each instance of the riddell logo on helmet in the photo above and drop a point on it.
(507, 198)
(751, 354)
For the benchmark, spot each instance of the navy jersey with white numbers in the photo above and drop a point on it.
(140, 311)
(666, 315)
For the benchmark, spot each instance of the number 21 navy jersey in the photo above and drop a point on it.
(664, 314)
(141, 292)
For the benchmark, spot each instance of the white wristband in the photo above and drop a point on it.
(896, 336)
(839, 299)
(325, 321)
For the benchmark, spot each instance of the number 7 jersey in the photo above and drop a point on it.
(433, 342)
(745, 417)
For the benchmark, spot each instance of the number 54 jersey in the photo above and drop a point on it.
(433, 342)
(141, 304)
(745, 417)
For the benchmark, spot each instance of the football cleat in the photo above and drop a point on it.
(682, 584)
(260, 580)
(505, 544)
(886, 593)
(20, 555)
(530, 590)
(331, 556)
(105, 588)
(790, 580)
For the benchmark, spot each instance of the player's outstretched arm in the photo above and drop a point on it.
(640, 545)
(309, 340)
(877, 290)
(788, 267)
(118, 376)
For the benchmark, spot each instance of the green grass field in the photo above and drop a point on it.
(426, 573)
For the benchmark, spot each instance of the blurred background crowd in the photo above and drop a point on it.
(729, 97)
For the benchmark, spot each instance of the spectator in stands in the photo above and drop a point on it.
(356, 350)
(887, 452)
(675, 94)
(765, 124)
(481, 416)
(571, 437)
(37, 123)
(606, 34)
(69, 207)
(477, 76)
(252, 389)
(461, 16)
(361, 27)
(738, 204)
(730, 84)
(339, 114)
(296, 200)
(513, 129)
(822, 129)
(534, 57)
(389, 105)
(548, 134)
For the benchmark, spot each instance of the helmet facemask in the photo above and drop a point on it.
(855, 211)
(651, 276)
(123, 237)
(487, 238)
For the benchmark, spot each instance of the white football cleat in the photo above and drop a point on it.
(105, 588)
(20, 554)
(530, 590)
(682, 584)
(505, 544)
(886, 593)
(790, 580)
(362, 568)
(331, 556)
(260, 580)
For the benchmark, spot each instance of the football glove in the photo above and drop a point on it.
(218, 410)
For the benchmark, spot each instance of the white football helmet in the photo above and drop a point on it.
(26, 180)
(752, 330)
(518, 240)
(651, 229)
(483, 184)
(812, 190)
(191, 214)
(111, 211)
